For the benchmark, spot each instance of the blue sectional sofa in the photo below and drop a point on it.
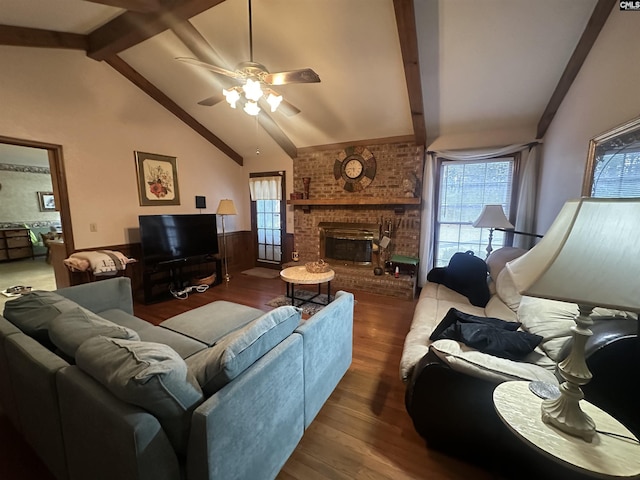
(221, 392)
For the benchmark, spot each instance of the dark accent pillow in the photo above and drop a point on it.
(489, 335)
(465, 274)
(454, 315)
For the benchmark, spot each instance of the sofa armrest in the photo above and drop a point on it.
(250, 427)
(113, 293)
(328, 350)
(108, 439)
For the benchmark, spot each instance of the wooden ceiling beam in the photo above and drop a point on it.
(132, 28)
(406, 22)
(143, 6)
(138, 80)
(35, 37)
(598, 18)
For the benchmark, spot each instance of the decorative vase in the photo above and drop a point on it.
(305, 182)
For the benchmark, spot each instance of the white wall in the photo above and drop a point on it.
(606, 93)
(100, 119)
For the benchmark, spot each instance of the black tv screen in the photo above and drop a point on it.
(167, 238)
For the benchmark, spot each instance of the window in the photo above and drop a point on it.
(269, 231)
(464, 187)
(613, 164)
(267, 215)
(617, 175)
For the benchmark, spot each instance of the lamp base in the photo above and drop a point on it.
(565, 413)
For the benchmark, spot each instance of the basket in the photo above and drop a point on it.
(317, 267)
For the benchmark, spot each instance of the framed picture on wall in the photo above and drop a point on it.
(46, 201)
(157, 179)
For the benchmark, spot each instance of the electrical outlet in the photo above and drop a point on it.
(93, 227)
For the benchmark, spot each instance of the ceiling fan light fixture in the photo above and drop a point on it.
(274, 100)
(252, 90)
(231, 95)
(251, 108)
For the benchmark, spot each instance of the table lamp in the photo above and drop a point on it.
(225, 207)
(588, 257)
(492, 217)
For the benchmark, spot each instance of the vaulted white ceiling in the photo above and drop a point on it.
(485, 65)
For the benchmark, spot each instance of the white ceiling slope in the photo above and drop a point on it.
(485, 65)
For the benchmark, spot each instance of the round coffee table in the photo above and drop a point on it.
(300, 276)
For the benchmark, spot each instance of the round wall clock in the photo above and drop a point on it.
(355, 168)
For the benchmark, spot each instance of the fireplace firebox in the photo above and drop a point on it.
(349, 243)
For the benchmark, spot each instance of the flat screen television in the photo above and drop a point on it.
(172, 238)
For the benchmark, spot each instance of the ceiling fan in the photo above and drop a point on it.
(254, 82)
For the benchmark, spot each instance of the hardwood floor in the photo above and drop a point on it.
(362, 432)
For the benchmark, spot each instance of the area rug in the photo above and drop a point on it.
(262, 272)
(308, 308)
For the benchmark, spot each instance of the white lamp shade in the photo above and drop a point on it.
(589, 256)
(226, 207)
(492, 216)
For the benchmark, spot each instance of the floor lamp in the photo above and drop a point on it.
(492, 217)
(226, 207)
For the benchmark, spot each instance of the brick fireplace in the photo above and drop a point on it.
(390, 206)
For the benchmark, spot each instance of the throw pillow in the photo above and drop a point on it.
(149, 375)
(454, 315)
(233, 354)
(550, 319)
(71, 328)
(465, 274)
(493, 341)
(32, 313)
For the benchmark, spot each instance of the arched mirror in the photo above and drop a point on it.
(613, 163)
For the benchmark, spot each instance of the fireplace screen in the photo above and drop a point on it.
(351, 243)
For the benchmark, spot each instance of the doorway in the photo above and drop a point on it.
(53, 158)
(268, 210)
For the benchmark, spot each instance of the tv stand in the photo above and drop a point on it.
(160, 279)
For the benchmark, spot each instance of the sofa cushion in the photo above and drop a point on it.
(218, 365)
(481, 365)
(32, 313)
(499, 258)
(553, 320)
(550, 319)
(149, 375)
(209, 323)
(71, 328)
(507, 291)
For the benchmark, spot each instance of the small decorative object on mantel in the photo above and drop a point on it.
(305, 182)
(317, 267)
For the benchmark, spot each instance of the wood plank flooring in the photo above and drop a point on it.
(362, 432)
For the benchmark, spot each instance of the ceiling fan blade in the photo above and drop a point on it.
(305, 75)
(289, 109)
(208, 66)
(277, 134)
(286, 108)
(211, 101)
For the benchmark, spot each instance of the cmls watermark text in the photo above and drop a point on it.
(625, 5)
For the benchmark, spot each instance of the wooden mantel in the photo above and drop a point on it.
(356, 201)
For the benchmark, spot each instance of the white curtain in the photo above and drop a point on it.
(266, 188)
(526, 197)
(528, 188)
